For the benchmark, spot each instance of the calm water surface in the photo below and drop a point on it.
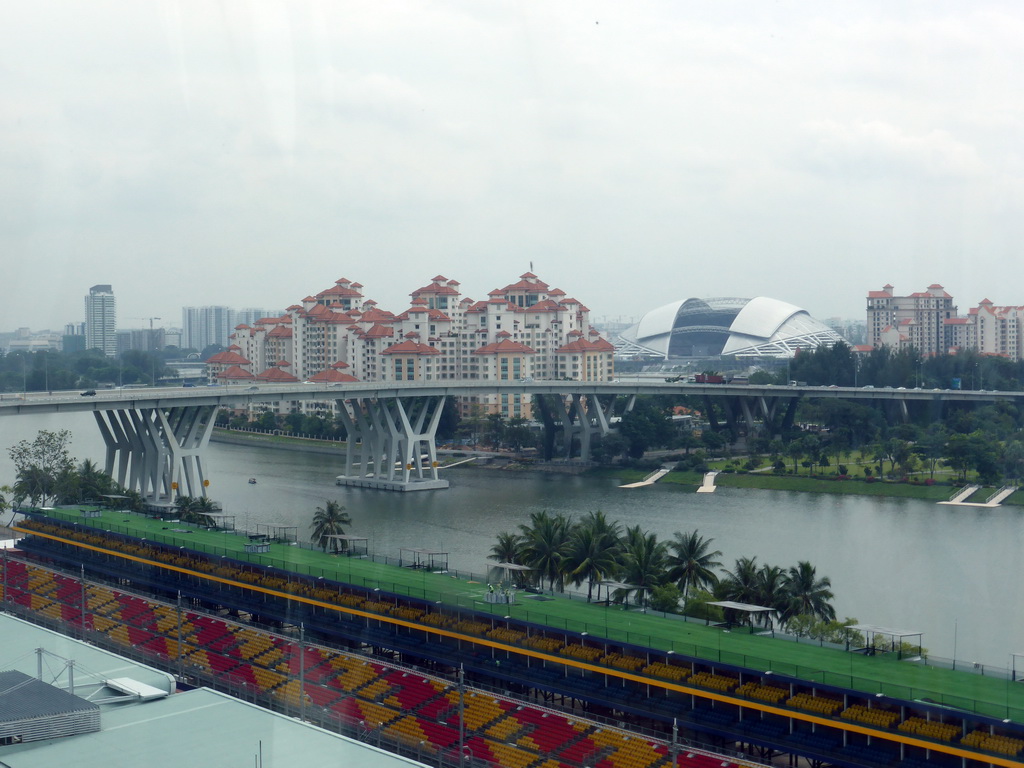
(954, 574)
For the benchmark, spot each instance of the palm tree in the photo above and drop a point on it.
(690, 562)
(740, 584)
(5, 501)
(643, 562)
(545, 541)
(507, 549)
(202, 508)
(185, 506)
(771, 589)
(92, 481)
(328, 521)
(593, 551)
(807, 594)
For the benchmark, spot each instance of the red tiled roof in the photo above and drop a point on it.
(531, 285)
(235, 373)
(879, 295)
(280, 332)
(547, 305)
(374, 315)
(277, 375)
(339, 292)
(505, 346)
(410, 347)
(332, 376)
(379, 331)
(582, 345)
(228, 357)
(436, 290)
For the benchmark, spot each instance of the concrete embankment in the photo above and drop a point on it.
(231, 437)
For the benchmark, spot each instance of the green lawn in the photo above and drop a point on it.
(878, 674)
(769, 481)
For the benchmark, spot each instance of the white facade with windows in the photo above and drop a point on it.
(101, 320)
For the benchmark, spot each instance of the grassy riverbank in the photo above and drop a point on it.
(767, 481)
(800, 484)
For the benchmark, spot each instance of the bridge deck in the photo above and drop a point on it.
(877, 674)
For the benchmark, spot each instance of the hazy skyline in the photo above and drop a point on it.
(250, 154)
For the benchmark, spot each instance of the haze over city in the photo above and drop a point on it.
(250, 155)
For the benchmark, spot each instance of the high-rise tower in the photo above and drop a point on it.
(101, 320)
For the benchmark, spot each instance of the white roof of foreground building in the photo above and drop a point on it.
(143, 722)
(760, 327)
(200, 728)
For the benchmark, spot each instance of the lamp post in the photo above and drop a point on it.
(462, 711)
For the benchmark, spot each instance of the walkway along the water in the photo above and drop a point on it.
(708, 486)
(651, 479)
(992, 501)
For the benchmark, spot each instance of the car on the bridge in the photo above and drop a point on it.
(89, 393)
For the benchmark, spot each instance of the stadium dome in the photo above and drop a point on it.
(760, 327)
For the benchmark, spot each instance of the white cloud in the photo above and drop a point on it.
(876, 149)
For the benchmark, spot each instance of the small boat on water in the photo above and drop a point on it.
(252, 481)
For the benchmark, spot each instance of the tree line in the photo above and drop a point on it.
(45, 474)
(49, 371)
(634, 567)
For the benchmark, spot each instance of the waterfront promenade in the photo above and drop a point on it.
(883, 673)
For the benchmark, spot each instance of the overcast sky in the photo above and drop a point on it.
(250, 154)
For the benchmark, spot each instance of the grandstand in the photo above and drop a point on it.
(726, 702)
(380, 702)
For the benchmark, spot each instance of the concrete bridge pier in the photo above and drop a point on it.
(158, 451)
(576, 419)
(394, 441)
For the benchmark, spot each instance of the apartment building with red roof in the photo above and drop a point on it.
(917, 320)
(525, 329)
(928, 322)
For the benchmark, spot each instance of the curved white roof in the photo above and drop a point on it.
(761, 327)
(659, 321)
(763, 317)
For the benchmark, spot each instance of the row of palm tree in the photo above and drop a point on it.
(561, 551)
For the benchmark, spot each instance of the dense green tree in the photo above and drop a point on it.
(646, 426)
(665, 598)
(41, 465)
(518, 433)
(931, 445)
